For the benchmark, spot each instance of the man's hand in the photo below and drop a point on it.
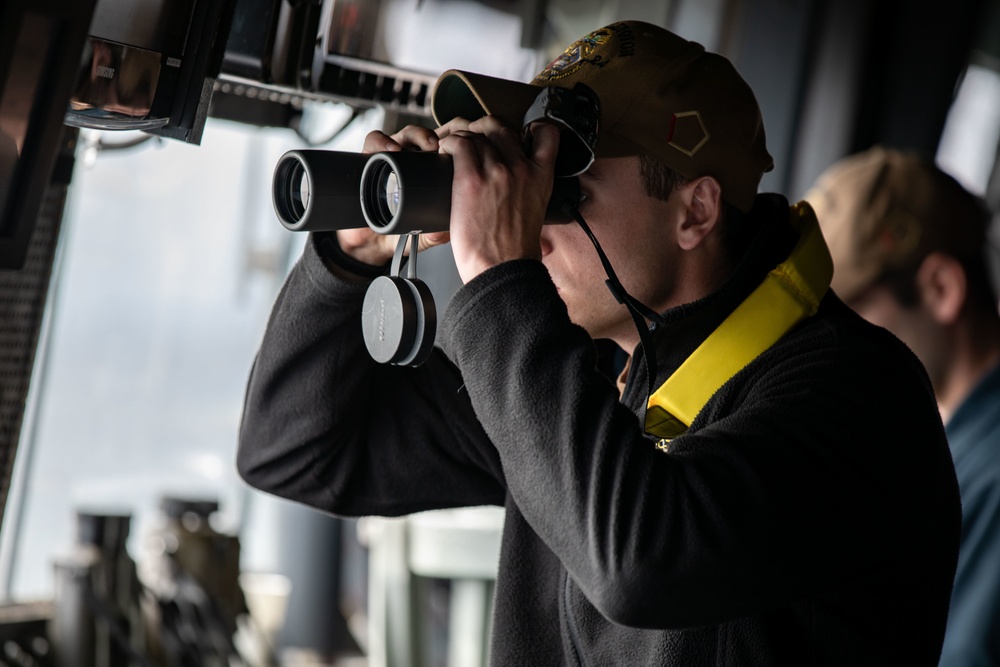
(365, 245)
(500, 193)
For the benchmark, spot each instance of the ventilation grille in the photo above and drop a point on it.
(22, 303)
(354, 81)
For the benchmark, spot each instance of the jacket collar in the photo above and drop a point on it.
(685, 327)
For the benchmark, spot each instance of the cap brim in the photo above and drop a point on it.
(459, 94)
(471, 96)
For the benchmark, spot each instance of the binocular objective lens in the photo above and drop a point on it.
(390, 193)
(300, 190)
(291, 190)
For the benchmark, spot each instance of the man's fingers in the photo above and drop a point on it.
(467, 149)
(544, 144)
(434, 239)
(486, 125)
(452, 126)
(412, 137)
(417, 137)
(379, 142)
(540, 144)
(508, 142)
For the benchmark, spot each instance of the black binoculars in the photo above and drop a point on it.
(409, 192)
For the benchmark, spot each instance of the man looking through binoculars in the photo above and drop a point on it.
(767, 484)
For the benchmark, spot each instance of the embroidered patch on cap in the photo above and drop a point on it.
(594, 49)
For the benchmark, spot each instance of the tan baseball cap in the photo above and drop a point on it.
(661, 96)
(885, 210)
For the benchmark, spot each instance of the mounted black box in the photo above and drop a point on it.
(151, 65)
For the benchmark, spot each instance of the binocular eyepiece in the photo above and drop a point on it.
(410, 192)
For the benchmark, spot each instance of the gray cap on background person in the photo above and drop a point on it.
(884, 210)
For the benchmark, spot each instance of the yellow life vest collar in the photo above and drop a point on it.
(788, 294)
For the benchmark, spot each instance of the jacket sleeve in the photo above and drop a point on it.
(325, 425)
(973, 634)
(796, 485)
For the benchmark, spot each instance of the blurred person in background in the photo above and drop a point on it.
(909, 246)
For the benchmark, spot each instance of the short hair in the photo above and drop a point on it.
(884, 210)
(980, 293)
(736, 227)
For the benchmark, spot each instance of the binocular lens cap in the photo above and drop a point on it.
(388, 319)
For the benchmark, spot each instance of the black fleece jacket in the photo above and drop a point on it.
(809, 517)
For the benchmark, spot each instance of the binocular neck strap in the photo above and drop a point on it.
(397, 256)
(790, 293)
(639, 311)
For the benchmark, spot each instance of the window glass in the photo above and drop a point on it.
(170, 260)
(967, 149)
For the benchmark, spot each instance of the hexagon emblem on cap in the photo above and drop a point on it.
(687, 132)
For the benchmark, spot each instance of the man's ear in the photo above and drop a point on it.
(943, 286)
(703, 199)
